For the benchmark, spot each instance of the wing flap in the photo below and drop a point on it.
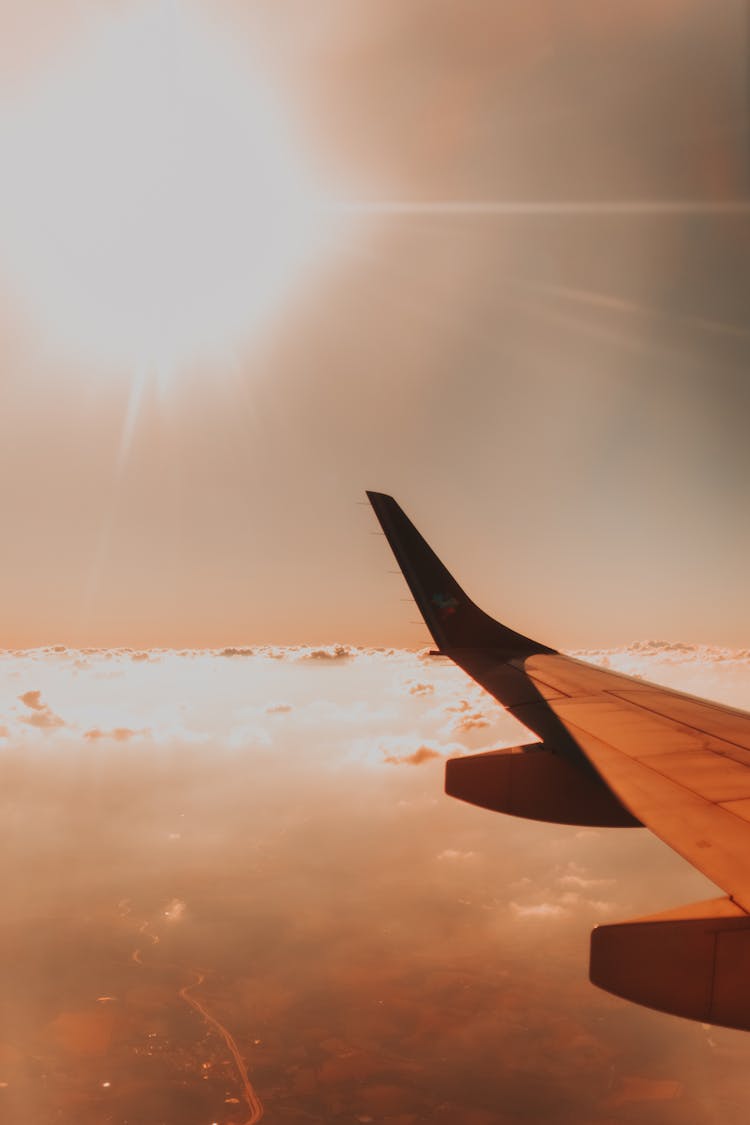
(710, 836)
(535, 783)
(692, 962)
(704, 718)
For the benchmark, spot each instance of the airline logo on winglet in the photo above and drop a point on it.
(447, 606)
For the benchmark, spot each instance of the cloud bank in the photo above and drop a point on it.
(234, 828)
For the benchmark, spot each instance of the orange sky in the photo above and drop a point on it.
(205, 364)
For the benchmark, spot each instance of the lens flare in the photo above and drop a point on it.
(157, 206)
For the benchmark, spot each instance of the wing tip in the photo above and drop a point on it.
(453, 619)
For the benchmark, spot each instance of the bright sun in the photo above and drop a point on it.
(155, 207)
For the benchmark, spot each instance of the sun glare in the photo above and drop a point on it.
(156, 207)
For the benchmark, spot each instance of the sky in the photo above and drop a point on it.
(491, 258)
(256, 259)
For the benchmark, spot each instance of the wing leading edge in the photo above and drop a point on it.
(613, 751)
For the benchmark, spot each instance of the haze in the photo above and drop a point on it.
(267, 829)
(564, 386)
(254, 259)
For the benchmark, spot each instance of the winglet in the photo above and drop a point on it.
(450, 615)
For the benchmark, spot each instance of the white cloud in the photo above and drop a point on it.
(174, 911)
(42, 716)
(577, 882)
(709, 671)
(331, 652)
(119, 734)
(32, 699)
(375, 705)
(538, 910)
(417, 758)
(577, 878)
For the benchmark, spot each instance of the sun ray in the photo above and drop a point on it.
(612, 303)
(93, 579)
(592, 208)
(135, 396)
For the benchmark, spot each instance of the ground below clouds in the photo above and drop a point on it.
(267, 831)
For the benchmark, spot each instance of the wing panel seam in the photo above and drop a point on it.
(676, 722)
(721, 805)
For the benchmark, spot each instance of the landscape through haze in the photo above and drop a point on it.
(255, 259)
(252, 849)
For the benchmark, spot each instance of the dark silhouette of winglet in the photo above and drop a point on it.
(451, 616)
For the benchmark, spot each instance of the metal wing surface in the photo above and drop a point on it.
(614, 751)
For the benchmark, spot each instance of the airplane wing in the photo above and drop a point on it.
(613, 751)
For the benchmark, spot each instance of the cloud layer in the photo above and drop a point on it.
(234, 828)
